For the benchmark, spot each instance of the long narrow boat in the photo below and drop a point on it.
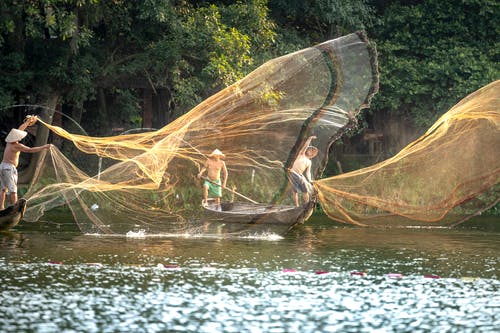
(11, 216)
(249, 217)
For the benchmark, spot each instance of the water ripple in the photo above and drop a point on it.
(117, 298)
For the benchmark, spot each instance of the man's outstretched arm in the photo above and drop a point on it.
(306, 144)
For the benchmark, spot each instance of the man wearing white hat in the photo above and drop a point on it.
(8, 167)
(213, 185)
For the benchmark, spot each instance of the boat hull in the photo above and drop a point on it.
(249, 217)
(11, 216)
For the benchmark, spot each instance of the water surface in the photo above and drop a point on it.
(320, 277)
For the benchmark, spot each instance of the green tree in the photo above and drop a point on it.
(44, 38)
(320, 20)
(87, 57)
(40, 43)
(192, 50)
(433, 53)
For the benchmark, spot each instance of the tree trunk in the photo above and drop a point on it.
(42, 135)
(147, 108)
(103, 112)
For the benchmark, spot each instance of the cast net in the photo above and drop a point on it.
(446, 176)
(150, 183)
(259, 123)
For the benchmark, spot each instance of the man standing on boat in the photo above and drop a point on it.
(8, 167)
(300, 173)
(213, 185)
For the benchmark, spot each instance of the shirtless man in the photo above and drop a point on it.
(8, 167)
(301, 165)
(213, 185)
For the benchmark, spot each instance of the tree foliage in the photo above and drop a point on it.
(320, 20)
(94, 55)
(39, 43)
(78, 49)
(433, 54)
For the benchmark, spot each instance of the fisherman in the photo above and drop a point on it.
(300, 173)
(213, 184)
(8, 167)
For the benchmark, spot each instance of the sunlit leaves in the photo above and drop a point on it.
(271, 98)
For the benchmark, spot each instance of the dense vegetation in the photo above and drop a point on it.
(90, 59)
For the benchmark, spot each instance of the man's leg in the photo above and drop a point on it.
(2, 198)
(305, 197)
(13, 197)
(295, 196)
(9, 180)
(205, 195)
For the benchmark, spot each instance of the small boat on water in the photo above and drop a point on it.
(11, 216)
(243, 216)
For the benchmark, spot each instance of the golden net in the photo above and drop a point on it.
(446, 176)
(259, 123)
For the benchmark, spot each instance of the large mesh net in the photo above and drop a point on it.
(259, 123)
(446, 176)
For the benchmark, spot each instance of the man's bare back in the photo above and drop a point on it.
(301, 164)
(13, 150)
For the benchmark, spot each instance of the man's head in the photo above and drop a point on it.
(15, 135)
(311, 152)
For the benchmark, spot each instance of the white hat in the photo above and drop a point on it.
(15, 135)
(217, 152)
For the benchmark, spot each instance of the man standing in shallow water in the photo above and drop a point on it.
(212, 187)
(8, 167)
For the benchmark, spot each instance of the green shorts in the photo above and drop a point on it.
(214, 191)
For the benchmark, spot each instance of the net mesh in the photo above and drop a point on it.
(448, 175)
(259, 123)
(443, 178)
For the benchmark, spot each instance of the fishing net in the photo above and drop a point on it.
(259, 123)
(446, 176)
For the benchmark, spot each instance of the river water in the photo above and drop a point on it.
(320, 277)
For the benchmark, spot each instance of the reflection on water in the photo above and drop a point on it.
(318, 278)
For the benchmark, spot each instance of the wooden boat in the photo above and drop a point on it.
(249, 217)
(11, 216)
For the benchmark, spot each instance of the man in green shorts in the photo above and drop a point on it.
(213, 184)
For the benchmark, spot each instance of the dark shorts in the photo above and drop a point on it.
(299, 182)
